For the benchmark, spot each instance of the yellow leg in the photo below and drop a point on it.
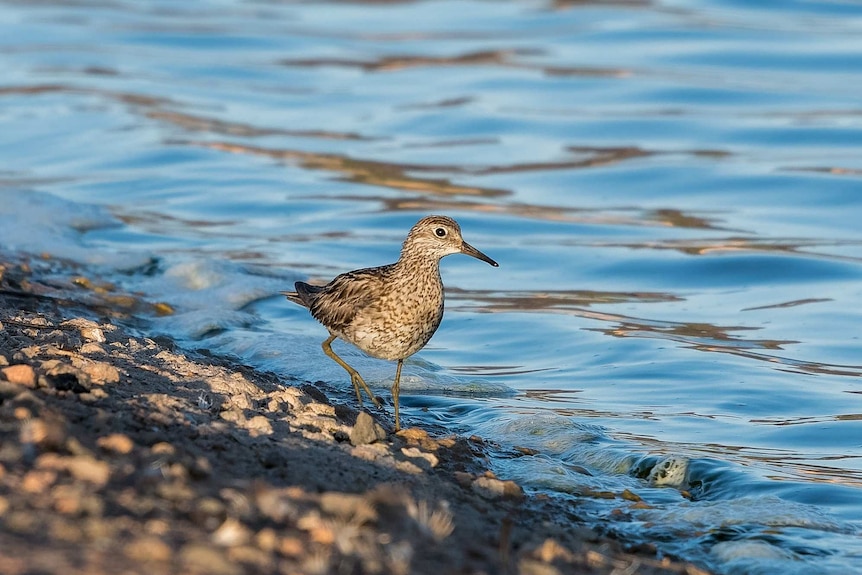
(396, 389)
(355, 378)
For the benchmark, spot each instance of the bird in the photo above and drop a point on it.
(390, 312)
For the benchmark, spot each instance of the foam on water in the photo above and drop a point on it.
(43, 224)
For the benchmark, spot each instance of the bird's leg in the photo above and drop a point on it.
(395, 391)
(355, 378)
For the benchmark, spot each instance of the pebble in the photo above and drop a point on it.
(463, 478)
(348, 506)
(46, 432)
(207, 559)
(266, 539)
(89, 330)
(408, 467)
(147, 548)
(93, 348)
(38, 481)
(259, 425)
(117, 443)
(21, 374)
(493, 488)
(291, 547)
(366, 430)
(231, 533)
(99, 372)
(321, 409)
(81, 467)
(370, 451)
(415, 452)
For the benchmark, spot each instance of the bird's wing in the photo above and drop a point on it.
(337, 303)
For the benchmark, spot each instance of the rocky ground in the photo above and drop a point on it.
(123, 454)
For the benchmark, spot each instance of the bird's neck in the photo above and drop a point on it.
(419, 263)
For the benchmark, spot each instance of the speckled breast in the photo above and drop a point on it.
(400, 323)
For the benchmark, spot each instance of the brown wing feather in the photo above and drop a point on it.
(336, 304)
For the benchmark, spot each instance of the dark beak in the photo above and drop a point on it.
(469, 250)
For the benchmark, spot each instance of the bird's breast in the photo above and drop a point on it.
(400, 322)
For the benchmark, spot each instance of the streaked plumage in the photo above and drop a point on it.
(389, 312)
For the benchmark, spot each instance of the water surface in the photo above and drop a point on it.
(672, 190)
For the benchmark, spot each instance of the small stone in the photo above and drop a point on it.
(370, 452)
(67, 499)
(89, 330)
(259, 425)
(629, 495)
(366, 430)
(291, 547)
(117, 443)
(204, 558)
(48, 432)
(551, 550)
(148, 548)
(20, 374)
(92, 348)
(463, 478)
(240, 401)
(415, 452)
(528, 566)
(492, 488)
(81, 467)
(86, 468)
(231, 533)
(38, 480)
(163, 448)
(266, 539)
(233, 415)
(413, 434)
(321, 409)
(408, 467)
(100, 372)
(356, 508)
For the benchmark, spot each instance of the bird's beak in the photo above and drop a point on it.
(469, 250)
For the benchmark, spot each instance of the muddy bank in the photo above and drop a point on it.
(123, 454)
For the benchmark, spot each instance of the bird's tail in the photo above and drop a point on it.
(293, 296)
(303, 295)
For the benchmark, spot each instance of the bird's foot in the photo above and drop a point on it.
(357, 382)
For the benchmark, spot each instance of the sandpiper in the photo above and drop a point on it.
(389, 312)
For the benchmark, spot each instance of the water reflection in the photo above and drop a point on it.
(194, 123)
(407, 176)
(803, 247)
(499, 58)
(793, 303)
(551, 300)
(699, 336)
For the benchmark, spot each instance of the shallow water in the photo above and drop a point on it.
(672, 190)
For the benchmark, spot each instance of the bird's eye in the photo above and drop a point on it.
(441, 232)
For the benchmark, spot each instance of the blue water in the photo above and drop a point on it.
(673, 191)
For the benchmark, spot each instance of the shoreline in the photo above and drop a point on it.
(124, 454)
